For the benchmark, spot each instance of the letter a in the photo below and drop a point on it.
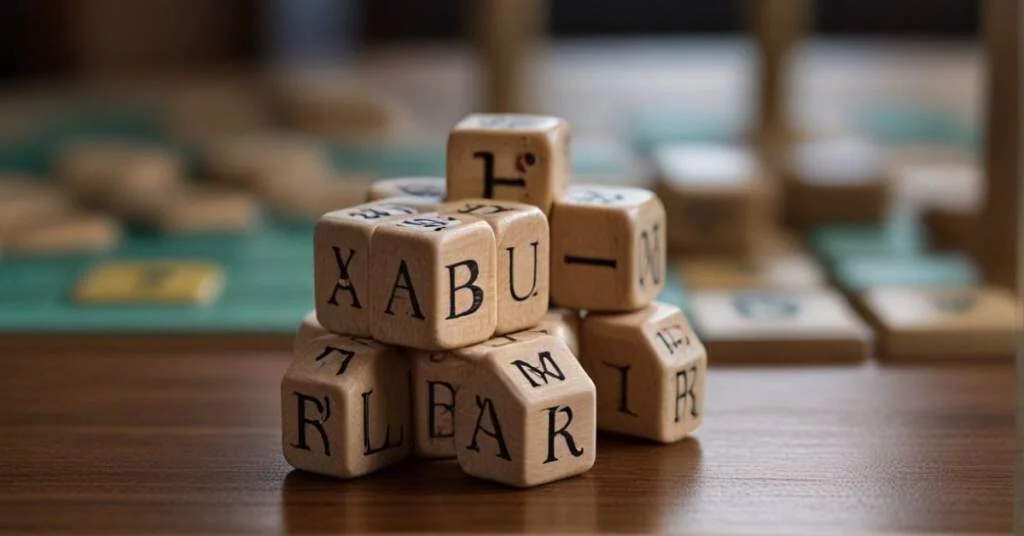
(403, 281)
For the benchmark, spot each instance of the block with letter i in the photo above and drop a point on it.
(649, 369)
(607, 248)
(434, 281)
(509, 157)
(344, 404)
(523, 252)
(341, 264)
(526, 414)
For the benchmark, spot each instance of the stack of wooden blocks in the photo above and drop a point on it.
(433, 333)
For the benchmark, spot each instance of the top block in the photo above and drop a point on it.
(521, 158)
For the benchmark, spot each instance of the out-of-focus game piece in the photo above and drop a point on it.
(69, 232)
(189, 208)
(944, 322)
(564, 324)
(433, 284)
(93, 169)
(953, 229)
(608, 250)
(521, 232)
(999, 251)
(248, 161)
(522, 158)
(778, 326)
(308, 197)
(157, 282)
(432, 187)
(835, 180)
(858, 274)
(341, 264)
(505, 32)
(436, 378)
(922, 186)
(526, 415)
(336, 106)
(24, 200)
(781, 272)
(345, 405)
(716, 198)
(900, 235)
(648, 367)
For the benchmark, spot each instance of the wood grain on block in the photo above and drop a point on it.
(835, 180)
(795, 271)
(68, 232)
(649, 368)
(944, 322)
(522, 158)
(526, 414)
(717, 198)
(523, 253)
(607, 248)
(778, 326)
(434, 281)
(345, 405)
(432, 187)
(91, 170)
(341, 264)
(436, 378)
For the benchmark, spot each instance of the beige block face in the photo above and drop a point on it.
(207, 209)
(523, 254)
(930, 323)
(73, 231)
(434, 282)
(23, 201)
(436, 378)
(779, 325)
(93, 169)
(510, 157)
(345, 405)
(432, 187)
(564, 324)
(250, 160)
(607, 248)
(649, 369)
(838, 179)
(793, 271)
(526, 416)
(341, 264)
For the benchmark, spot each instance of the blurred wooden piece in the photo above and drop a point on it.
(25, 199)
(433, 187)
(944, 323)
(778, 27)
(151, 282)
(92, 170)
(337, 106)
(834, 180)
(68, 232)
(505, 33)
(1001, 217)
(781, 271)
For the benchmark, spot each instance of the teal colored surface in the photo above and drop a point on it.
(648, 128)
(913, 123)
(899, 236)
(859, 274)
(675, 292)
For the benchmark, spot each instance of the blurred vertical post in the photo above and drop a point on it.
(310, 31)
(505, 34)
(778, 26)
(1000, 251)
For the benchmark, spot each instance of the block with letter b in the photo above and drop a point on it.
(649, 369)
(344, 404)
(509, 157)
(434, 281)
(526, 414)
(523, 254)
(607, 248)
(341, 264)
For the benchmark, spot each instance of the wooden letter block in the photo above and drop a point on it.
(526, 415)
(436, 378)
(432, 187)
(835, 180)
(944, 323)
(716, 198)
(434, 281)
(779, 326)
(564, 324)
(345, 405)
(649, 370)
(523, 255)
(607, 248)
(511, 157)
(341, 264)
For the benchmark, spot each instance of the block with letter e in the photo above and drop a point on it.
(433, 284)
(509, 157)
(526, 414)
(344, 404)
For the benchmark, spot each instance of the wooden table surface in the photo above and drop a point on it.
(190, 443)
